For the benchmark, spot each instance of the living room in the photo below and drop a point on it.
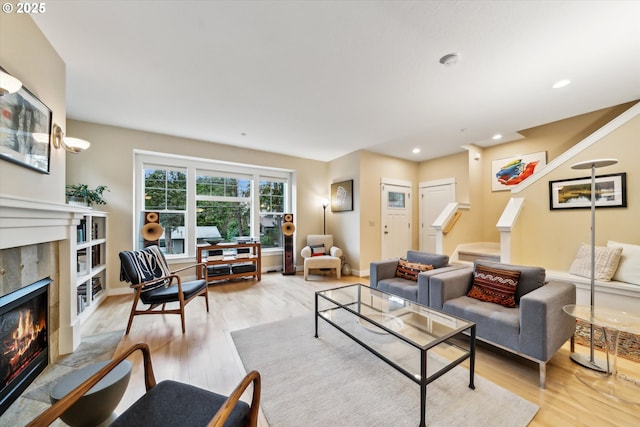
(111, 158)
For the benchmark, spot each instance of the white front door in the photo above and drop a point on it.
(396, 220)
(434, 197)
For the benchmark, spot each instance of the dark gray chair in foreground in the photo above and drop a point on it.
(169, 403)
(535, 328)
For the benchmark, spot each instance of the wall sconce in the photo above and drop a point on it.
(72, 145)
(8, 83)
(325, 203)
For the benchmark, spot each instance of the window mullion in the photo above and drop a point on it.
(191, 212)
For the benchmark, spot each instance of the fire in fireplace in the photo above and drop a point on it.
(24, 348)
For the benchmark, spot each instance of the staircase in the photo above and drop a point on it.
(467, 253)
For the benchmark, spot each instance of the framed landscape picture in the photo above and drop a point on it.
(611, 191)
(25, 130)
(342, 196)
(511, 171)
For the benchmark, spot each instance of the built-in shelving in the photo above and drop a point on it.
(91, 261)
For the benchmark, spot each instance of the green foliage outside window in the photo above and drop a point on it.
(166, 192)
(222, 202)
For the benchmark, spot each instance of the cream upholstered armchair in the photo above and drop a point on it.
(320, 253)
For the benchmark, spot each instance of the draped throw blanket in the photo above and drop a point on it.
(144, 266)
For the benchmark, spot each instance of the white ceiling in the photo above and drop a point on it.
(321, 79)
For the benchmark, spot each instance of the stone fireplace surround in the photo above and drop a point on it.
(38, 240)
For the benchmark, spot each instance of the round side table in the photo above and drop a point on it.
(97, 405)
(612, 323)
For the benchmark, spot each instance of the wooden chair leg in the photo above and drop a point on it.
(182, 317)
(133, 312)
(206, 298)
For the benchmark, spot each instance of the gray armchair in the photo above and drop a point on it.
(535, 329)
(382, 276)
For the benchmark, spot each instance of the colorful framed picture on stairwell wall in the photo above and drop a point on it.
(508, 172)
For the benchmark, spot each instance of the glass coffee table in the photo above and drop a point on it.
(420, 342)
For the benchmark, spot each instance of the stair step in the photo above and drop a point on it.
(471, 256)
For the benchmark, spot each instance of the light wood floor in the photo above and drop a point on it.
(205, 355)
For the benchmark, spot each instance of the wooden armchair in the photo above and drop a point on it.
(155, 285)
(169, 402)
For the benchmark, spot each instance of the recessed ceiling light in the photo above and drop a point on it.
(561, 83)
(497, 136)
(449, 59)
(416, 150)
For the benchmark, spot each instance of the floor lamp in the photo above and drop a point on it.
(590, 362)
(325, 203)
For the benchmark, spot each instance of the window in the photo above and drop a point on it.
(223, 208)
(165, 191)
(203, 201)
(272, 206)
(396, 200)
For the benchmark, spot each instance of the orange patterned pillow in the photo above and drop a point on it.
(494, 285)
(410, 270)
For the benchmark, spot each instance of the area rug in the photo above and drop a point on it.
(628, 344)
(333, 381)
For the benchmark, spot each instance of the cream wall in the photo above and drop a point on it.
(544, 237)
(551, 237)
(345, 226)
(373, 168)
(554, 138)
(110, 161)
(26, 54)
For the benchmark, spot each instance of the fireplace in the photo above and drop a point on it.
(24, 340)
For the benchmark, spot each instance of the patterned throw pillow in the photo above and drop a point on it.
(317, 250)
(494, 285)
(607, 260)
(410, 270)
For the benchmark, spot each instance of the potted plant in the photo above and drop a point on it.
(81, 194)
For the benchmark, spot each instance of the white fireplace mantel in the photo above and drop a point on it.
(28, 222)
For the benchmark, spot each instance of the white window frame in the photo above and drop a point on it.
(194, 166)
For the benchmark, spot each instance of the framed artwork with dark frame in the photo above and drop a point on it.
(25, 130)
(575, 193)
(342, 196)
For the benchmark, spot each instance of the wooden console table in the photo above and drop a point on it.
(232, 256)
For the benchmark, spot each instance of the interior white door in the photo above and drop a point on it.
(396, 220)
(434, 197)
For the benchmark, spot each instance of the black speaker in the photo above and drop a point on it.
(288, 228)
(151, 230)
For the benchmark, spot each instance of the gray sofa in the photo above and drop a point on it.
(535, 329)
(382, 276)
